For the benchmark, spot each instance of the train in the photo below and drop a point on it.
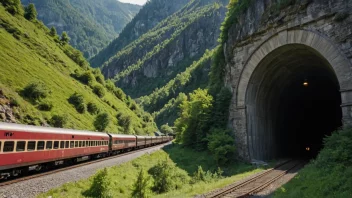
(26, 148)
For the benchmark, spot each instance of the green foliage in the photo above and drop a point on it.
(99, 76)
(53, 32)
(77, 100)
(167, 177)
(92, 108)
(65, 39)
(166, 129)
(221, 144)
(141, 188)
(206, 176)
(58, 121)
(99, 90)
(332, 168)
(35, 91)
(102, 121)
(125, 122)
(101, 185)
(13, 6)
(30, 13)
(193, 123)
(45, 105)
(86, 77)
(221, 111)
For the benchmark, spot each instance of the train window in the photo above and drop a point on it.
(76, 144)
(80, 143)
(21, 146)
(84, 143)
(49, 145)
(9, 146)
(62, 144)
(40, 145)
(31, 146)
(87, 143)
(67, 144)
(72, 144)
(56, 144)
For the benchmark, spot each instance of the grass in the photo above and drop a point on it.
(330, 175)
(31, 55)
(123, 176)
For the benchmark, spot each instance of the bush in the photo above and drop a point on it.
(35, 91)
(77, 100)
(99, 90)
(125, 122)
(64, 38)
(101, 185)
(45, 106)
(102, 121)
(92, 108)
(58, 121)
(221, 145)
(141, 188)
(119, 94)
(86, 77)
(167, 177)
(99, 76)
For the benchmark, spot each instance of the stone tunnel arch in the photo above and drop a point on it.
(275, 102)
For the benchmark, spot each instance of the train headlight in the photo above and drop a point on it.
(307, 148)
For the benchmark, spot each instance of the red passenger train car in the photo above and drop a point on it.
(26, 148)
(37, 147)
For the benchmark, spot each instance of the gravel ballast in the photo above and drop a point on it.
(33, 187)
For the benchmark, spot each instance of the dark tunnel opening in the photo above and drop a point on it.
(286, 117)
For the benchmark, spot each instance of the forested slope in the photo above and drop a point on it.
(90, 24)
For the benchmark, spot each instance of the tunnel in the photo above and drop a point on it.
(292, 102)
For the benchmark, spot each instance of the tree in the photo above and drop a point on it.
(58, 121)
(64, 38)
(101, 185)
(35, 91)
(13, 6)
(193, 123)
(166, 129)
(53, 32)
(221, 144)
(141, 188)
(102, 121)
(30, 12)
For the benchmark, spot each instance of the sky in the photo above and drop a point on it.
(139, 2)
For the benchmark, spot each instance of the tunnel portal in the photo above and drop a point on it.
(292, 102)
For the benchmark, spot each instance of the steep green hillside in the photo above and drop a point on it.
(164, 101)
(29, 55)
(149, 16)
(90, 24)
(168, 49)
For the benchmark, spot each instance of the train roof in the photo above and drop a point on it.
(122, 136)
(38, 129)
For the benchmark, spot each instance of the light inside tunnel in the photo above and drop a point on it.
(284, 118)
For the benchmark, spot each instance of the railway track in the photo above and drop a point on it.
(36, 175)
(253, 185)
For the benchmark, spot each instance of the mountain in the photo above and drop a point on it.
(148, 17)
(169, 48)
(44, 81)
(90, 24)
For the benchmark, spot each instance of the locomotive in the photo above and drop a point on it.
(31, 148)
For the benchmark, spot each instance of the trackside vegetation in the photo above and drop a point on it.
(329, 175)
(50, 83)
(173, 172)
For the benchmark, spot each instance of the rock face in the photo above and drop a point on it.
(6, 112)
(148, 17)
(309, 31)
(179, 40)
